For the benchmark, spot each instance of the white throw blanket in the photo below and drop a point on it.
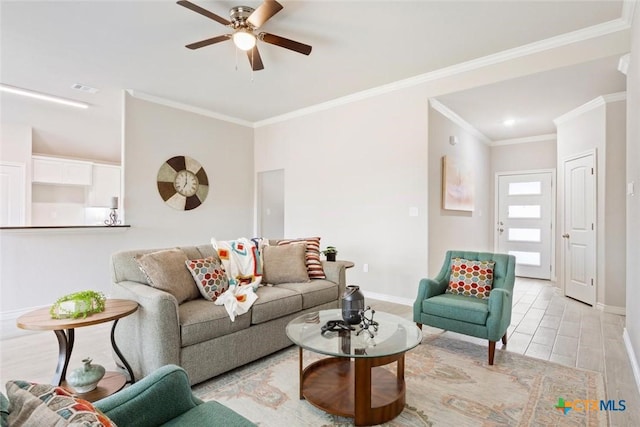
(237, 300)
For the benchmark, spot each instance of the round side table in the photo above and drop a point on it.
(40, 320)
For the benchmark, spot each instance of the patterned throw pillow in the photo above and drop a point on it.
(47, 405)
(209, 275)
(471, 278)
(312, 256)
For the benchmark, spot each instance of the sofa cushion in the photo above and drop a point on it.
(209, 276)
(315, 292)
(458, 307)
(312, 256)
(274, 302)
(285, 264)
(201, 320)
(34, 404)
(471, 278)
(166, 270)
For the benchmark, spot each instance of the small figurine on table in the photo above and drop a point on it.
(367, 323)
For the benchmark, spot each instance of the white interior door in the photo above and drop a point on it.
(271, 204)
(579, 235)
(12, 194)
(525, 221)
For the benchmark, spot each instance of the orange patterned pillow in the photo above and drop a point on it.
(471, 278)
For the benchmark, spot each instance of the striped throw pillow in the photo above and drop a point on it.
(312, 256)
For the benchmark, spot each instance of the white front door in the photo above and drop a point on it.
(525, 220)
(579, 235)
(12, 194)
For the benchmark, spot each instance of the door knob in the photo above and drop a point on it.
(500, 230)
(565, 236)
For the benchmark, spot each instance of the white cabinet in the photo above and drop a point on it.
(106, 184)
(52, 170)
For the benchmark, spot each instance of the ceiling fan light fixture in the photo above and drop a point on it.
(244, 39)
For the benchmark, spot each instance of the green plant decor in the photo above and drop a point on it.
(78, 305)
(330, 250)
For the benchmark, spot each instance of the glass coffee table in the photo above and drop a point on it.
(352, 381)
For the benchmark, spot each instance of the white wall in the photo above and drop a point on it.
(93, 133)
(352, 173)
(632, 332)
(37, 266)
(155, 133)
(457, 230)
(525, 156)
(587, 129)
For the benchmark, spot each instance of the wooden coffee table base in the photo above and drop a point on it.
(357, 388)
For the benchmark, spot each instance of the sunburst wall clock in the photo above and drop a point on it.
(182, 183)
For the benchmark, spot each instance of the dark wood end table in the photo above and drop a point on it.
(40, 320)
(351, 382)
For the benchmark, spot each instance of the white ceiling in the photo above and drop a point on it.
(357, 45)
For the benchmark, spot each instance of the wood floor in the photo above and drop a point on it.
(545, 325)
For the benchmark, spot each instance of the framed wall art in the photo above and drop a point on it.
(457, 185)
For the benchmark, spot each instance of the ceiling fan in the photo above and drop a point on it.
(244, 23)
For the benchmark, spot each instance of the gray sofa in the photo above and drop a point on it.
(197, 334)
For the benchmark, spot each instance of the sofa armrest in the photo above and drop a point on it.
(499, 313)
(335, 271)
(150, 337)
(156, 399)
(427, 288)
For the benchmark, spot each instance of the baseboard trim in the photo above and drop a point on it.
(632, 357)
(611, 309)
(8, 327)
(388, 298)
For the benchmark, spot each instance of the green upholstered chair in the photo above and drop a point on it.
(482, 318)
(164, 398)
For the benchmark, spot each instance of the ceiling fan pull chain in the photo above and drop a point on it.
(252, 59)
(236, 58)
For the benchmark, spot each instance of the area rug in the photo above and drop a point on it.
(448, 384)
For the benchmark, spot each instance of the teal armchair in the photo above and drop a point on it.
(481, 318)
(164, 398)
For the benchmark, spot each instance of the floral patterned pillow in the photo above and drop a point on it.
(471, 278)
(47, 405)
(210, 276)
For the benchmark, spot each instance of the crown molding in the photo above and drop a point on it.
(185, 107)
(524, 140)
(594, 103)
(594, 31)
(605, 28)
(455, 118)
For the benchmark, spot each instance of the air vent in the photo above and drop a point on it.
(83, 88)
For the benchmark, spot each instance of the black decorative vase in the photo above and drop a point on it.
(352, 303)
(331, 256)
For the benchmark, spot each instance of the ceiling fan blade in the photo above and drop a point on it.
(207, 42)
(264, 12)
(203, 12)
(295, 46)
(254, 59)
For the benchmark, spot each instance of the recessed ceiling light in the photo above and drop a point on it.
(41, 96)
(509, 122)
